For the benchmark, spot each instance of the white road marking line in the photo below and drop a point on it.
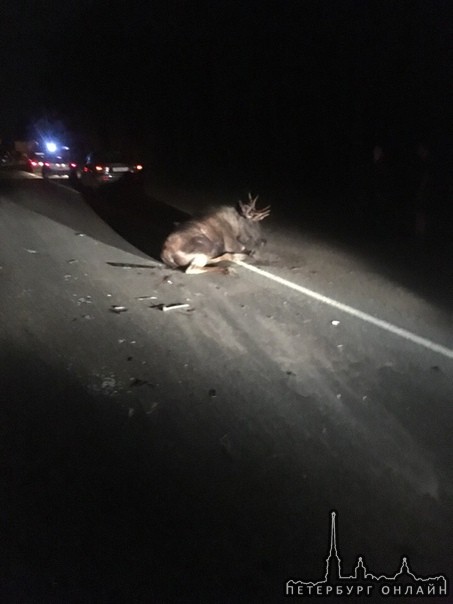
(399, 331)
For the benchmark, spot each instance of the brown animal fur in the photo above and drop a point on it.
(224, 234)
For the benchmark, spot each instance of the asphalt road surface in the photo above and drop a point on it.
(196, 454)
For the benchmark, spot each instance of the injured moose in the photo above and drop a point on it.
(224, 234)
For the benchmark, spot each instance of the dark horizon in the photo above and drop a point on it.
(292, 91)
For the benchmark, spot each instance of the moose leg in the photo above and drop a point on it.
(199, 262)
(198, 270)
(198, 266)
(228, 257)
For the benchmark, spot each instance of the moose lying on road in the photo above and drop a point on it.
(223, 234)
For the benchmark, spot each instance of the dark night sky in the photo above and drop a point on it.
(237, 81)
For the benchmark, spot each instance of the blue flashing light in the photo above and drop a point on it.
(51, 147)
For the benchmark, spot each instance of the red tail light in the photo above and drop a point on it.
(34, 163)
(99, 168)
(46, 163)
(73, 165)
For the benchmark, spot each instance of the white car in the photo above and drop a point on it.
(103, 168)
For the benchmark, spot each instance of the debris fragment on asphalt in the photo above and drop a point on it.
(335, 323)
(79, 234)
(31, 251)
(87, 317)
(139, 382)
(152, 408)
(108, 383)
(212, 393)
(108, 386)
(72, 261)
(167, 307)
(146, 298)
(85, 300)
(129, 265)
(167, 279)
(118, 309)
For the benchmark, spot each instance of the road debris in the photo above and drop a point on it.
(212, 393)
(139, 382)
(79, 234)
(87, 317)
(129, 265)
(152, 408)
(167, 279)
(109, 383)
(72, 261)
(31, 251)
(86, 300)
(335, 323)
(118, 309)
(167, 307)
(146, 298)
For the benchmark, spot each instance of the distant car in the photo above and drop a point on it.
(57, 166)
(103, 168)
(35, 163)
